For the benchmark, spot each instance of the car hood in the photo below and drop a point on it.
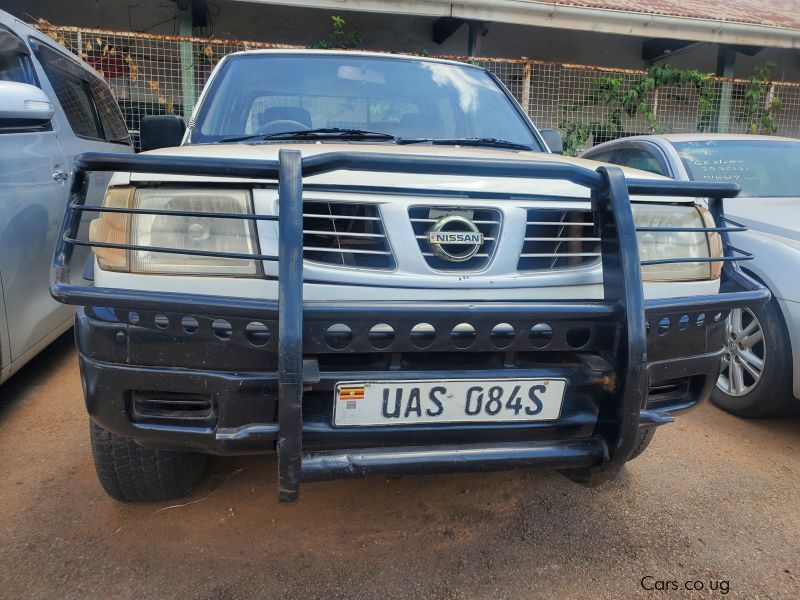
(775, 216)
(270, 151)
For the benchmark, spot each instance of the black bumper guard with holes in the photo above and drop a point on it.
(623, 307)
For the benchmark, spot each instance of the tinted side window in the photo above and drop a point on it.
(11, 68)
(639, 159)
(73, 92)
(15, 64)
(109, 112)
(604, 156)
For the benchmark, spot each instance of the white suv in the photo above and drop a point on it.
(374, 264)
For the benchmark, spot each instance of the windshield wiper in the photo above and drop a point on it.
(313, 134)
(487, 142)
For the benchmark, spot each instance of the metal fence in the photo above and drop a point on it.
(589, 104)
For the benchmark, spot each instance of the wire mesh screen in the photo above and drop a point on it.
(594, 101)
(157, 74)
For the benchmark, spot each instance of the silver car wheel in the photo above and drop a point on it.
(745, 353)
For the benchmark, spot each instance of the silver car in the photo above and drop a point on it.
(52, 107)
(761, 368)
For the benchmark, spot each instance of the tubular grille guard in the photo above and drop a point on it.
(623, 297)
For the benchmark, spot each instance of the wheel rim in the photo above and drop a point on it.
(745, 353)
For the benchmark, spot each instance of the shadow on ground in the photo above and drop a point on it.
(36, 372)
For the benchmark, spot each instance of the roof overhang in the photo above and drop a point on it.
(544, 14)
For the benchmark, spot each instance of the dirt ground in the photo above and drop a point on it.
(714, 502)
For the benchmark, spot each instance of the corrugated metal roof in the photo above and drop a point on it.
(777, 13)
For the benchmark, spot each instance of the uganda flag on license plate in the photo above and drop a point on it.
(351, 393)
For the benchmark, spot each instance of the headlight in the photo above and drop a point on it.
(194, 233)
(654, 245)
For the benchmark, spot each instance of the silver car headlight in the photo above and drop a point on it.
(655, 245)
(193, 233)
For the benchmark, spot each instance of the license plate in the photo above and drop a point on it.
(360, 403)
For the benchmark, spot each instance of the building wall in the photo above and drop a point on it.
(303, 26)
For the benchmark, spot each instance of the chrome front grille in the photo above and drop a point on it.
(557, 239)
(487, 220)
(345, 234)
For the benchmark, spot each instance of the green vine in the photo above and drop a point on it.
(634, 100)
(758, 106)
(339, 38)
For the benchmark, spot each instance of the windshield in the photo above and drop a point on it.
(763, 168)
(263, 94)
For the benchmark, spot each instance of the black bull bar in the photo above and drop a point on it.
(623, 301)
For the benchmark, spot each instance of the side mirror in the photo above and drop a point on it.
(552, 137)
(21, 103)
(161, 131)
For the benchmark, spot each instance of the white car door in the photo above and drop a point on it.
(86, 119)
(32, 197)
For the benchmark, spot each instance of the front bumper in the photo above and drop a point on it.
(791, 315)
(156, 357)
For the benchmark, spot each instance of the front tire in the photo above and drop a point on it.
(129, 472)
(756, 378)
(643, 438)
